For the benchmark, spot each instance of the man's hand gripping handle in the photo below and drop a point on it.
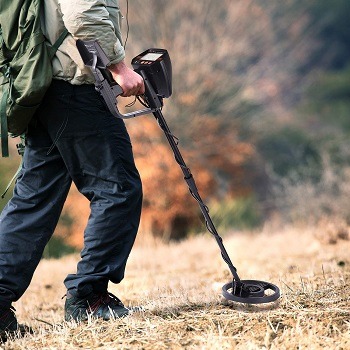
(94, 57)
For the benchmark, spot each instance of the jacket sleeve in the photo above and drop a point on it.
(90, 20)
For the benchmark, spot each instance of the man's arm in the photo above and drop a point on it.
(89, 20)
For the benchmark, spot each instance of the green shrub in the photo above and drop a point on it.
(289, 150)
(239, 213)
(56, 248)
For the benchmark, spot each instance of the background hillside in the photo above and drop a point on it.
(261, 102)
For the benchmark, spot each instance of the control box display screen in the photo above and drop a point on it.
(151, 56)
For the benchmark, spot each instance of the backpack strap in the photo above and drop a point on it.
(3, 122)
(58, 43)
(3, 118)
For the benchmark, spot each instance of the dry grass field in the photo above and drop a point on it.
(179, 286)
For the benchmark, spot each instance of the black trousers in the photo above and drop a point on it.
(73, 137)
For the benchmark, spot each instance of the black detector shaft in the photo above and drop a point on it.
(154, 66)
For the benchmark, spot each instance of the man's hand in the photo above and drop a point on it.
(131, 82)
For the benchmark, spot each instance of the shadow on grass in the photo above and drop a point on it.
(221, 307)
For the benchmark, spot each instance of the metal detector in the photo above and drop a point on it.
(154, 66)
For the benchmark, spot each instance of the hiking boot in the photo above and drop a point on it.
(105, 306)
(9, 325)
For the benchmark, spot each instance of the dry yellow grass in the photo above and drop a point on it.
(179, 286)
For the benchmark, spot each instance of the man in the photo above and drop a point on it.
(73, 137)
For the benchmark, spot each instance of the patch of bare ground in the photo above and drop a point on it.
(179, 287)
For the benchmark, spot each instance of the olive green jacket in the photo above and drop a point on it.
(86, 20)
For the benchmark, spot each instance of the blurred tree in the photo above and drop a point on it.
(168, 209)
(239, 69)
(234, 62)
(235, 71)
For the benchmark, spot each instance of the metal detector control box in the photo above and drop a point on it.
(157, 64)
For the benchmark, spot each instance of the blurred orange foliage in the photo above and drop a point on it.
(167, 207)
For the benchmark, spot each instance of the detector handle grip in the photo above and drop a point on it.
(95, 58)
